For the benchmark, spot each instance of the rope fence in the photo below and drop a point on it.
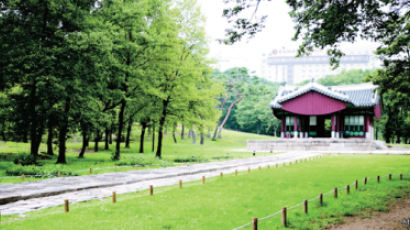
(254, 222)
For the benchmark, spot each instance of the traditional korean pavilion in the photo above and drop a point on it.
(314, 110)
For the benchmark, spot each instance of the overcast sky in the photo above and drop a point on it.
(276, 35)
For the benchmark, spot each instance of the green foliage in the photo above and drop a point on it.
(350, 77)
(38, 171)
(190, 159)
(252, 113)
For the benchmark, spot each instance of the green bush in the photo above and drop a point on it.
(26, 160)
(33, 170)
(190, 159)
(142, 161)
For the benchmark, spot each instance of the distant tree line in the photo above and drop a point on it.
(97, 67)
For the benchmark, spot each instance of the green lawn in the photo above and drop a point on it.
(231, 201)
(231, 146)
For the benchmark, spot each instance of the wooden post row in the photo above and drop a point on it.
(114, 197)
(356, 184)
(284, 222)
(389, 176)
(151, 190)
(236, 172)
(22, 176)
(378, 179)
(91, 170)
(255, 224)
(335, 192)
(221, 174)
(365, 180)
(180, 183)
(347, 189)
(203, 179)
(305, 206)
(321, 199)
(66, 208)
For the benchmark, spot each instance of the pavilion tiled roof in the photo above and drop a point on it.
(360, 95)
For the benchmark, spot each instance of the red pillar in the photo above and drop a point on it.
(282, 127)
(333, 118)
(295, 126)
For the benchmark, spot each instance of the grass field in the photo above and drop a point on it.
(231, 201)
(231, 146)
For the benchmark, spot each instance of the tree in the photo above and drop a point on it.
(324, 25)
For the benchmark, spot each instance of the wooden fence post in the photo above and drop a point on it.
(356, 184)
(347, 189)
(255, 224)
(401, 176)
(22, 176)
(335, 192)
(180, 183)
(321, 199)
(284, 222)
(91, 170)
(305, 206)
(365, 180)
(259, 167)
(276, 166)
(203, 179)
(58, 173)
(151, 190)
(268, 166)
(378, 179)
(114, 197)
(66, 208)
(236, 172)
(249, 169)
(221, 174)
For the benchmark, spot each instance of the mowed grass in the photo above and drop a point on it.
(231, 201)
(231, 146)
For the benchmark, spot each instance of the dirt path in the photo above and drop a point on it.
(379, 220)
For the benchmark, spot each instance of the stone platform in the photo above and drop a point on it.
(314, 144)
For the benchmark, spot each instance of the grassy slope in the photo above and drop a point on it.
(231, 146)
(232, 201)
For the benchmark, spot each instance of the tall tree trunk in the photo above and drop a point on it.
(50, 137)
(193, 137)
(174, 137)
(106, 139)
(143, 128)
(227, 115)
(33, 126)
(110, 136)
(161, 126)
(183, 132)
(153, 137)
(62, 136)
(120, 127)
(84, 145)
(209, 133)
(189, 133)
(127, 139)
(96, 140)
(202, 138)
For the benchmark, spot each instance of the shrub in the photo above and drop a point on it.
(142, 161)
(26, 160)
(33, 170)
(190, 159)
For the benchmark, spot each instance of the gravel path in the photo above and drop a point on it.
(29, 196)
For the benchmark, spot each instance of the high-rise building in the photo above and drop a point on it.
(282, 65)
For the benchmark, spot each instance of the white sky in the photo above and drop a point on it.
(277, 34)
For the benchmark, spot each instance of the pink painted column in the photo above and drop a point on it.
(282, 127)
(369, 127)
(295, 127)
(333, 125)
